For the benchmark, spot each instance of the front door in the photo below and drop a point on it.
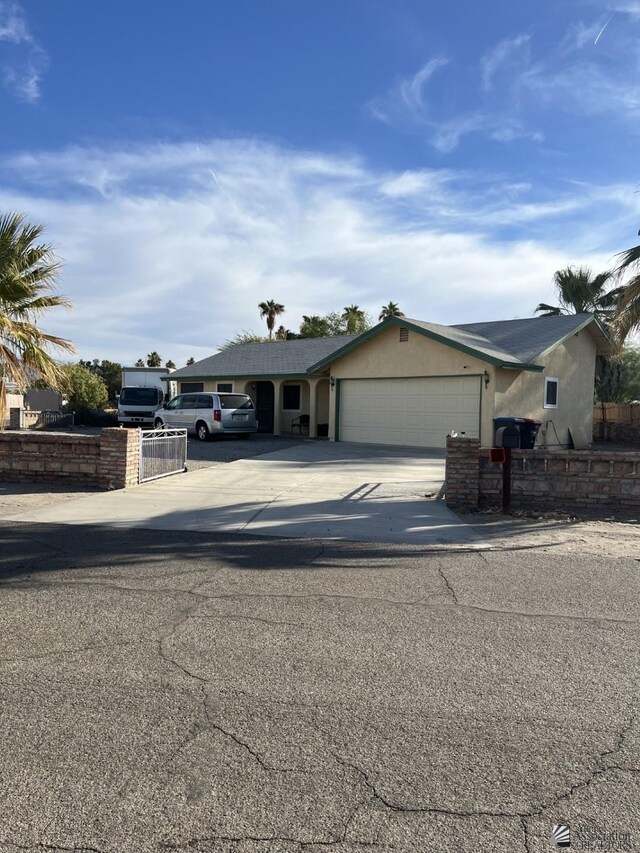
(264, 406)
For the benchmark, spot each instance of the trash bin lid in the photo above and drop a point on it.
(509, 421)
(531, 421)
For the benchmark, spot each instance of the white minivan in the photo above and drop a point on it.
(209, 414)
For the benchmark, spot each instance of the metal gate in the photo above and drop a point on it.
(162, 452)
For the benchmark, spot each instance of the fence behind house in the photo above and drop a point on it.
(624, 413)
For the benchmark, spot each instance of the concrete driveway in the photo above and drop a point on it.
(316, 490)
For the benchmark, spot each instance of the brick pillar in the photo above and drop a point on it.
(462, 478)
(119, 458)
(15, 418)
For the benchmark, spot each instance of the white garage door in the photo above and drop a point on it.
(417, 412)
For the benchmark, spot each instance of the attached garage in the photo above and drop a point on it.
(418, 412)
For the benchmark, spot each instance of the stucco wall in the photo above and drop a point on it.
(385, 356)
(522, 394)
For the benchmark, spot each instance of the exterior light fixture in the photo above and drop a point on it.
(486, 379)
(332, 382)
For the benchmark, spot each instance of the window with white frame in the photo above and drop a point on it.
(551, 392)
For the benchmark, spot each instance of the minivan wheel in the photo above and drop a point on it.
(158, 423)
(202, 432)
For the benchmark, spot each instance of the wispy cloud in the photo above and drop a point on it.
(592, 70)
(160, 255)
(24, 61)
(407, 107)
(505, 54)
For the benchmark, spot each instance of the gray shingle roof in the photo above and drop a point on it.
(466, 338)
(525, 340)
(267, 359)
(511, 342)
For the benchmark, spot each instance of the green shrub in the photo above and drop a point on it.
(84, 391)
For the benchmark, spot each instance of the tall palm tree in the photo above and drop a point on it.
(391, 309)
(270, 310)
(627, 316)
(28, 275)
(354, 317)
(579, 290)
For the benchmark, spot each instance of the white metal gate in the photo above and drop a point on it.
(163, 451)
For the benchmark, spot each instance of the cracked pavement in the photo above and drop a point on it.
(172, 691)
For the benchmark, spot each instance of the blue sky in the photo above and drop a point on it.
(191, 160)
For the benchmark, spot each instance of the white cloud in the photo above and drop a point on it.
(407, 108)
(411, 89)
(591, 71)
(160, 255)
(505, 54)
(24, 61)
(626, 7)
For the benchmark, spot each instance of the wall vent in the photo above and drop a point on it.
(404, 335)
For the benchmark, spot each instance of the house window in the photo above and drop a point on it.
(291, 397)
(190, 387)
(225, 387)
(551, 393)
(404, 335)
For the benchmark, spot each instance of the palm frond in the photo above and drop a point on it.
(628, 258)
(28, 277)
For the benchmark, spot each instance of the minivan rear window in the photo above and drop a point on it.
(235, 401)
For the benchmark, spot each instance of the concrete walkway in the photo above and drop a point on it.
(313, 490)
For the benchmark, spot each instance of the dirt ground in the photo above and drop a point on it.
(607, 537)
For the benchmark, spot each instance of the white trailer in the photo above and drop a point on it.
(142, 394)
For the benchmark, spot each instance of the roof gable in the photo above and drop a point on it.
(533, 337)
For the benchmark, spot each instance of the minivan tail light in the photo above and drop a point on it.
(217, 415)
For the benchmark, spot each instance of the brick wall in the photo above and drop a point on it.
(462, 475)
(541, 480)
(109, 460)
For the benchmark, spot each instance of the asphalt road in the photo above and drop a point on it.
(191, 692)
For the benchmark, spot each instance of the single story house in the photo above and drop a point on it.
(410, 382)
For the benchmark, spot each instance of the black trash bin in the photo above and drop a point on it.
(506, 432)
(528, 433)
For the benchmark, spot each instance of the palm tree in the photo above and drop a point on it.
(390, 310)
(627, 316)
(579, 290)
(154, 360)
(140, 363)
(354, 317)
(28, 275)
(270, 309)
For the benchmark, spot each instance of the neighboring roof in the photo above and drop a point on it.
(504, 343)
(274, 358)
